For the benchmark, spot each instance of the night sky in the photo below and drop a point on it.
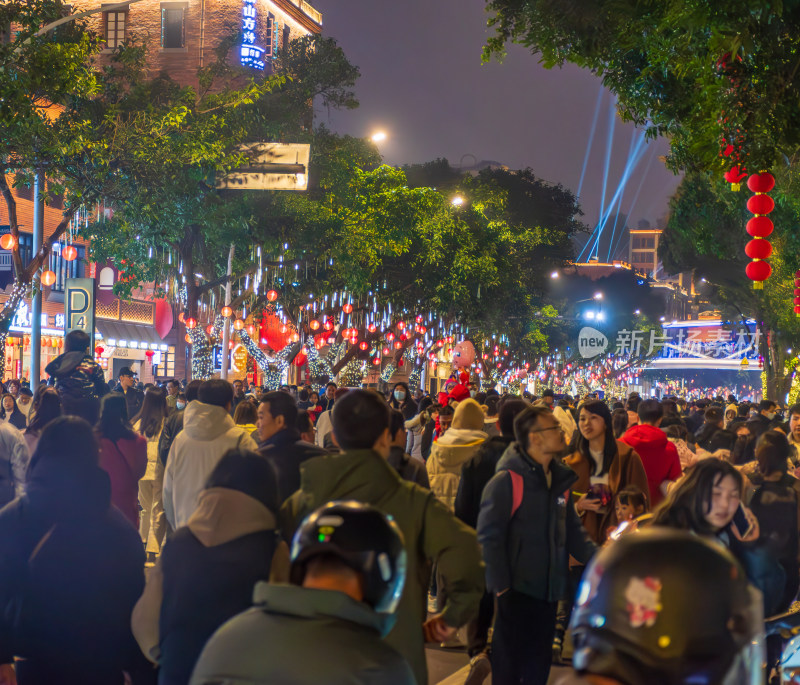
(422, 82)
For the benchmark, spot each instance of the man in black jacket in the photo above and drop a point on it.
(475, 474)
(528, 529)
(280, 441)
(78, 378)
(174, 423)
(134, 398)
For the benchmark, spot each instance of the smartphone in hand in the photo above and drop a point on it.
(741, 522)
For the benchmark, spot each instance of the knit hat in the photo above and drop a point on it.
(469, 415)
(247, 472)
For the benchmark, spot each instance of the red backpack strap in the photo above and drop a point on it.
(516, 491)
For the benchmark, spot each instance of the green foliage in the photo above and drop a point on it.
(703, 73)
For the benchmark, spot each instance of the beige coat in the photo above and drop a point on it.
(448, 454)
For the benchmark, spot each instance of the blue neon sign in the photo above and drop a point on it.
(251, 55)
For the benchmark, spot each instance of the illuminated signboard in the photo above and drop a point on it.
(251, 55)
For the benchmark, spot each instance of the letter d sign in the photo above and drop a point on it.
(79, 306)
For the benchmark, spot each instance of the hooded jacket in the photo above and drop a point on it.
(71, 569)
(297, 636)
(430, 532)
(448, 454)
(208, 432)
(125, 461)
(76, 375)
(205, 576)
(659, 457)
(529, 551)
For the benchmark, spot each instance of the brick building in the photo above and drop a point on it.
(181, 37)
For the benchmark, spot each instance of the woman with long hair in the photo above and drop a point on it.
(123, 454)
(149, 423)
(46, 406)
(10, 413)
(604, 466)
(619, 422)
(401, 400)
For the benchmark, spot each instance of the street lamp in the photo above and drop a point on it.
(457, 201)
(554, 274)
(598, 296)
(379, 136)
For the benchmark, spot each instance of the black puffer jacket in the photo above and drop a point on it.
(286, 451)
(77, 376)
(475, 474)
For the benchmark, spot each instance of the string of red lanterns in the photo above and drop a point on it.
(760, 227)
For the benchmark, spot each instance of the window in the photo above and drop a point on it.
(172, 25)
(116, 23)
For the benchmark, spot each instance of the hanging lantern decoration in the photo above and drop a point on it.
(251, 330)
(48, 277)
(735, 176)
(797, 293)
(759, 227)
(7, 242)
(348, 308)
(149, 354)
(181, 317)
(363, 345)
(69, 253)
(210, 329)
(272, 295)
(190, 323)
(238, 324)
(227, 312)
(314, 325)
(99, 350)
(376, 361)
(188, 338)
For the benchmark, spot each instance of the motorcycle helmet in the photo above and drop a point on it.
(665, 607)
(365, 539)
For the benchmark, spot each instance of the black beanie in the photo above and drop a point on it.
(247, 472)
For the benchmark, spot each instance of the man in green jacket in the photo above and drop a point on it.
(431, 533)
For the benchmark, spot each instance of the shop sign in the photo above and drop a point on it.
(79, 306)
(23, 319)
(240, 358)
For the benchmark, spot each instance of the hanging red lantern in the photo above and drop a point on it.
(328, 325)
(348, 308)
(760, 227)
(7, 242)
(314, 325)
(188, 338)
(149, 354)
(761, 183)
(227, 311)
(300, 359)
(69, 253)
(190, 323)
(181, 317)
(272, 295)
(758, 271)
(210, 329)
(372, 328)
(386, 351)
(99, 350)
(48, 277)
(401, 325)
(758, 249)
(376, 361)
(238, 324)
(251, 329)
(797, 292)
(735, 176)
(760, 204)
(363, 345)
(398, 345)
(390, 336)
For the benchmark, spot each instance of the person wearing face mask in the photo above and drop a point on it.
(402, 401)
(25, 401)
(767, 411)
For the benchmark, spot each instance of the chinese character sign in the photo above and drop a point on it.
(690, 342)
(251, 54)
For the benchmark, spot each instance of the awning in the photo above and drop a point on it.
(128, 334)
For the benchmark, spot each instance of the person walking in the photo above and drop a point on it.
(407, 467)
(71, 569)
(207, 572)
(149, 423)
(123, 455)
(361, 424)
(78, 378)
(659, 456)
(10, 413)
(528, 529)
(454, 449)
(280, 441)
(327, 626)
(174, 423)
(46, 407)
(401, 400)
(14, 458)
(127, 387)
(208, 433)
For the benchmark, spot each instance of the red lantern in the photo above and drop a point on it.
(372, 328)
(190, 323)
(149, 354)
(735, 177)
(181, 317)
(758, 249)
(48, 277)
(314, 325)
(376, 361)
(210, 329)
(251, 329)
(398, 345)
(390, 336)
(300, 359)
(69, 253)
(760, 227)
(760, 204)
(758, 271)
(761, 183)
(7, 242)
(188, 338)
(272, 295)
(227, 311)
(99, 350)
(238, 324)
(401, 325)
(348, 308)
(363, 345)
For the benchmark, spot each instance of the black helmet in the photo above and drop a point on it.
(665, 607)
(363, 538)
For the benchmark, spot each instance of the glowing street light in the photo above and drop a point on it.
(457, 201)
(379, 136)
(598, 296)
(554, 274)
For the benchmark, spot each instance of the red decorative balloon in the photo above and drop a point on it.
(163, 318)
(761, 183)
(760, 226)
(761, 204)
(758, 271)
(758, 249)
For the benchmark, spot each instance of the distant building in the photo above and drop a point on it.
(643, 249)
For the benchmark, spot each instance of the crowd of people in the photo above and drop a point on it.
(304, 535)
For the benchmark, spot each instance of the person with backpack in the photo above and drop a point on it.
(528, 529)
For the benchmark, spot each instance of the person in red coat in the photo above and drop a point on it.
(461, 391)
(659, 456)
(123, 455)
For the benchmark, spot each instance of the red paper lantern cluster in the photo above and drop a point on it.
(734, 176)
(760, 227)
(797, 293)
